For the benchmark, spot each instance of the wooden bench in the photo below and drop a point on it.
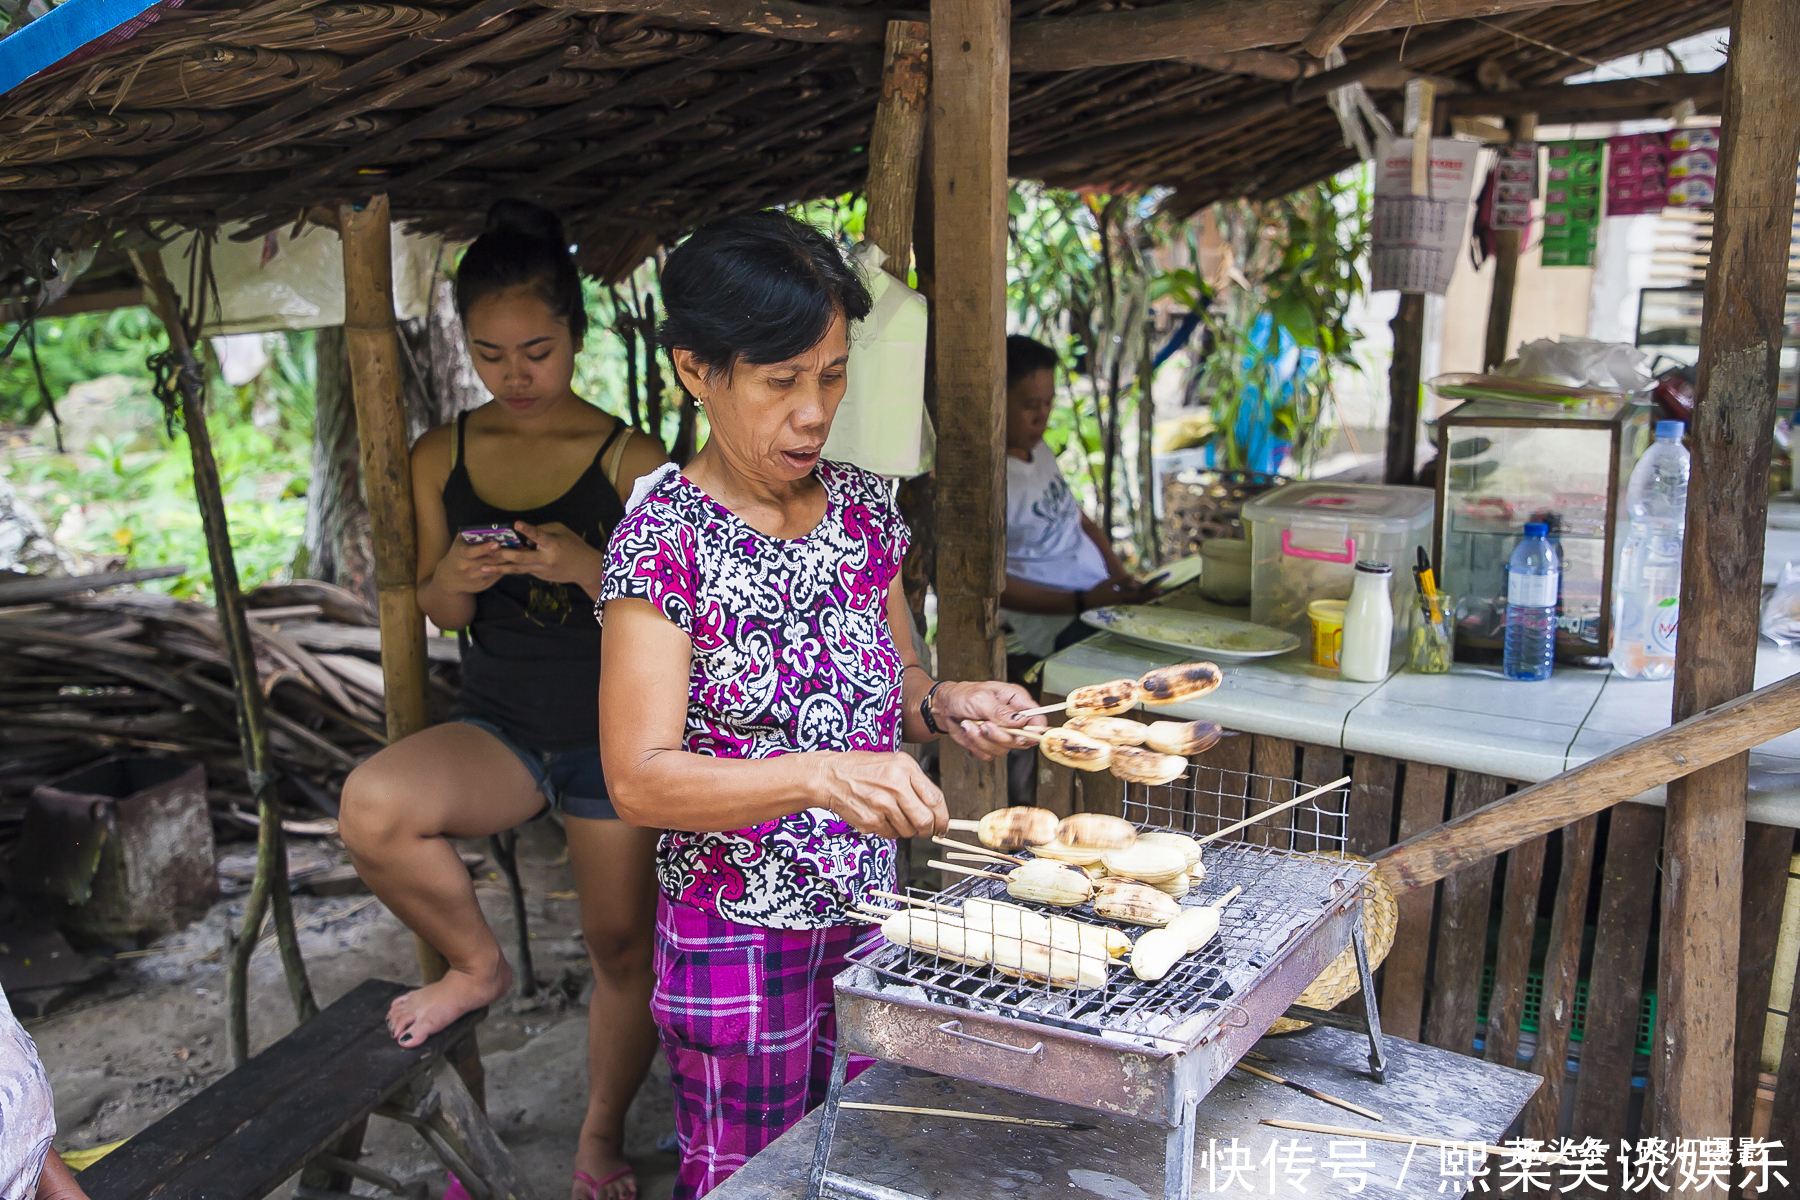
(301, 1106)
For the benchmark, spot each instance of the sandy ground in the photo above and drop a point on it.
(154, 1036)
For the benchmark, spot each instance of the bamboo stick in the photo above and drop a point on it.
(944, 866)
(269, 886)
(1271, 1077)
(981, 850)
(1376, 1135)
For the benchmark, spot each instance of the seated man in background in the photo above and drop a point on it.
(29, 1168)
(1058, 561)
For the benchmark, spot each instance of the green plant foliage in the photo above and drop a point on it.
(1300, 257)
(129, 495)
(73, 350)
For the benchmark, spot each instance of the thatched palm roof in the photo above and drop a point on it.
(637, 124)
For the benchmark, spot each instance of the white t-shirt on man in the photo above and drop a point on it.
(1045, 544)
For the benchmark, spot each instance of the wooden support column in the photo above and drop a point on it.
(1715, 660)
(1507, 243)
(1403, 389)
(969, 70)
(897, 142)
(372, 344)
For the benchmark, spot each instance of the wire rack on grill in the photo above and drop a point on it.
(1292, 872)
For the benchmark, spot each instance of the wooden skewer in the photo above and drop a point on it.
(914, 901)
(953, 856)
(866, 910)
(982, 850)
(1358, 1109)
(1279, 808)
(1038, 1122)
(1228, 897)
(1376, 1135)
(944, 866)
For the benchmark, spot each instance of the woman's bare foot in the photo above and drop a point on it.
(415, 1016)
(601, 1173)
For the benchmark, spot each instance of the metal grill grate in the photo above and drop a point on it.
(1291, 874)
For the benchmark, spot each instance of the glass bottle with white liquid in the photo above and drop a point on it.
(1368, 624)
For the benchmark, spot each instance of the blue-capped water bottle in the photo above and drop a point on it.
(1531, 585)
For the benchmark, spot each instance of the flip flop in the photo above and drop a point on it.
(455, 1190)
(595, 1186)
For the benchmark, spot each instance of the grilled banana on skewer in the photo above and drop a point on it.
(1135, 765)
(1075, 856)
(1147, 861)
(1156, 952)
(1120, 731)
(1200, 924)
(1181, 737)
(1103, 699)
(1047, 882)
(938, 933)
(1096, 831)
(1190, 849)
(1137, 903)
(1184, 681)
(1011, 828)
(1070, 748)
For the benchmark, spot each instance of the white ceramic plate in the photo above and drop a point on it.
(1189, 632)
(1173, 575)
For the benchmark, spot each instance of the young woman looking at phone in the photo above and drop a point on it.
(544, 463)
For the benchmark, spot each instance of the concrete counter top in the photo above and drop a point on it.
(1472, 719)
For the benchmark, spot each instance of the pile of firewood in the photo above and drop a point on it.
(92, 673)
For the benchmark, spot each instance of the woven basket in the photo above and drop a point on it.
(1340, 981)
(1201, 505)
(563, 86)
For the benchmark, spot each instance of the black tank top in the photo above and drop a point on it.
(531, 656)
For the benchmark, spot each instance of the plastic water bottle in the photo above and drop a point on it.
(1531, 585)
(1647, 586)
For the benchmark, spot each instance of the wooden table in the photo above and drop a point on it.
(896, 1156)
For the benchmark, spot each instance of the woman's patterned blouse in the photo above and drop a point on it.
(792, 653)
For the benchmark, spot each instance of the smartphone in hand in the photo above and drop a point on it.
(504, 536)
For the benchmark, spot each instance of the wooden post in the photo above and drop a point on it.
(372, 344)
(1506, 268)
(897, 142)
(1403, 389)
(269, 887)
(1721, 583)
(968, 116)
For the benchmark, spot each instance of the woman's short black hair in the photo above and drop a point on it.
(761, 288)
(523, 246)
(1027, 356)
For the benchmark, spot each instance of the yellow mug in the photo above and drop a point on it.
(1328, 632)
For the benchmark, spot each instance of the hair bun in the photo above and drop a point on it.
(525, 219)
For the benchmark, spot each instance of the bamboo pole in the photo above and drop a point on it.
(269, 887)
(969, 96)
(898, 141)
(372, 344)
(1721, 571)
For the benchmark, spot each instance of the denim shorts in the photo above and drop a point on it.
(570, 779)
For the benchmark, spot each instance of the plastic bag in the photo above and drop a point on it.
(1781, 611)
(1611, 366)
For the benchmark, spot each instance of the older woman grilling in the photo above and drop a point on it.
(758, 678)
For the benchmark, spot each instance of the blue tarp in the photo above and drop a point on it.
(1254, 429)
(59, 33)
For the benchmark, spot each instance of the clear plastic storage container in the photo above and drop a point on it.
(1306, 539)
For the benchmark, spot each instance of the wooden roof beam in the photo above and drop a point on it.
(783, 19)
(1192, 27)
(1076, 153)
(1551, 104)
(1186, 30)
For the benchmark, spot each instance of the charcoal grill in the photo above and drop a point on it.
(1150, 1051)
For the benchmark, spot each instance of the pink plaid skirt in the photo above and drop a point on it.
(745, 1015)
